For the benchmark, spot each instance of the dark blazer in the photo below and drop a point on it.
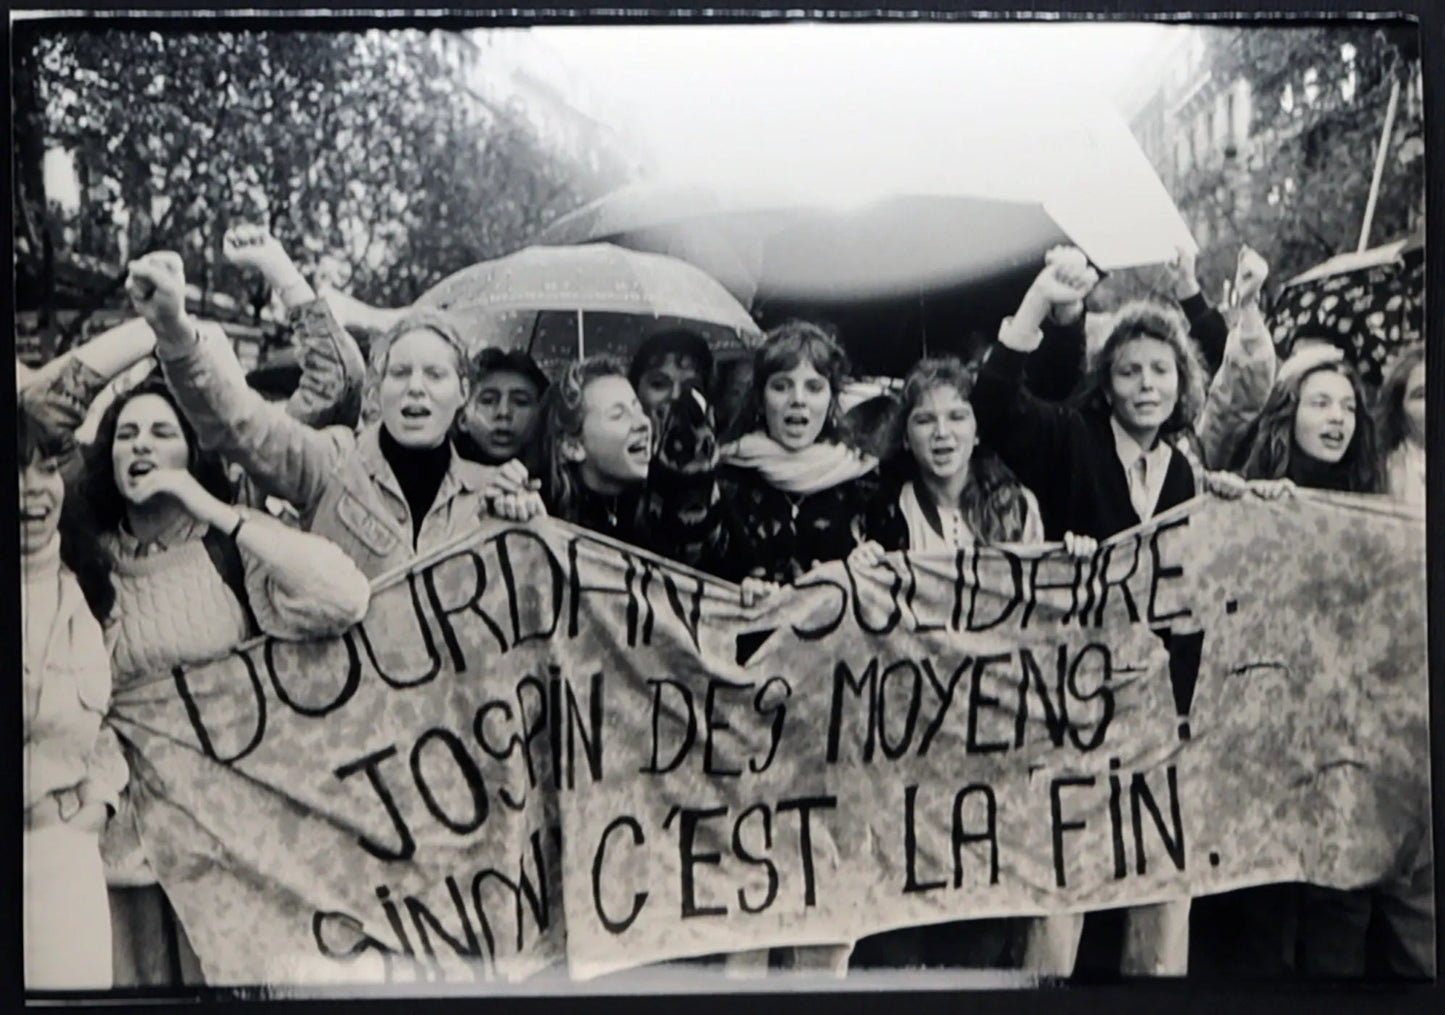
(1064, 454)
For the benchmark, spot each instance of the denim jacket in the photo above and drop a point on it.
(337, 479)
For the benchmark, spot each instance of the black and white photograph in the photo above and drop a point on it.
(720, 506)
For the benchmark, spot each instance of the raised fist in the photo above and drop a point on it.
(156, 284)
(251, 246)
(1249, 274)
(1066, 278)
(1181, 272)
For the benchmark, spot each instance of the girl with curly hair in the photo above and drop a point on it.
(1105, 463)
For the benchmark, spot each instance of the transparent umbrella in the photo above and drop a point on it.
(561, 303)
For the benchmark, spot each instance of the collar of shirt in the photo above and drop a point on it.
(1156, 461)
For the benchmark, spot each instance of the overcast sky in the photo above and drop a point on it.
(699, 94)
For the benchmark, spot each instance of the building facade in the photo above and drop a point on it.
(1268, 136)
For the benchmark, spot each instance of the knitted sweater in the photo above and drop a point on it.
(173, 607)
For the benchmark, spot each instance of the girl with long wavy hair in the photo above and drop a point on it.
(1315, 430)
(953, 493)
(193, 576)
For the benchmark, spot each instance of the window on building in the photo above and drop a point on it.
(1312, 86)
(1183, 157)
(1350, 81)
(1241, 112)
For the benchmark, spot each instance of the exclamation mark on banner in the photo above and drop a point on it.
(1184, 656)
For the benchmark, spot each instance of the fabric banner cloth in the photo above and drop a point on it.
(544, 746)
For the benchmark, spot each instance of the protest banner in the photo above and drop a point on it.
(543, 745)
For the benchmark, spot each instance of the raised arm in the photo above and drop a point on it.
(1055, 368)
(287, 458)
(1029, 434)
(61, 393)
(332, 367)
(1207, 325)
(1247, 373)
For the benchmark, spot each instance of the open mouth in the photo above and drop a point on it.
(138, 469)
(504, 437)
(34, 514)
(415, 412)
(1333, 439)
(796, 420)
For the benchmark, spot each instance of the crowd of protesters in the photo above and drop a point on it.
(166, 521)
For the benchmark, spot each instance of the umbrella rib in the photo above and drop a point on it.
(532, 337)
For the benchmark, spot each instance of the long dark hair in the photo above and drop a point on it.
(992, 502)
(79, 549)
(107, 506)
(1158, 320)
(788, 345)
(1390, 404)
(564, 409)
(1268, 446)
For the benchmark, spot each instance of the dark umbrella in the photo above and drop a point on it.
(1368, 303)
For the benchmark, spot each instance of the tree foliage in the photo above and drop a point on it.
(364, 152)
(1297, 190)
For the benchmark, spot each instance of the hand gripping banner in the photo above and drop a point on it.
(543, 746)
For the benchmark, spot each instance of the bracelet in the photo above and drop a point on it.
(236, 529)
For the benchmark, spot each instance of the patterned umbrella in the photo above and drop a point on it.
(1369, 304)
(560, 303)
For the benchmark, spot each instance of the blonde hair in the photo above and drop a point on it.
(564, 411)
(417, 320)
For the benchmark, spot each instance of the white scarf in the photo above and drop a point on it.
(819, 466)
